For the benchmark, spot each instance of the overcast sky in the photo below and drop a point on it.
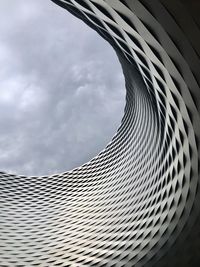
(62, 90)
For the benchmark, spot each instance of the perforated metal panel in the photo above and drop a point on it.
(137, 202)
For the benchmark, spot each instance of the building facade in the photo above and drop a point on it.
(137, 202)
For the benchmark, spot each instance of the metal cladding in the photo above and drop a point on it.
(137, 202)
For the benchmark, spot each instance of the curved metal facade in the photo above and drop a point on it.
(137, 202)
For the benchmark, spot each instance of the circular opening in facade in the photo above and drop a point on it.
(62, 89)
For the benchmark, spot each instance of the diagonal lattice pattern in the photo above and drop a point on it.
(138, 198)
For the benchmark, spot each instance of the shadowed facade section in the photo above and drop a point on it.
(137, 202)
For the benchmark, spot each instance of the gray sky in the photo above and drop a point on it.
(62, 89)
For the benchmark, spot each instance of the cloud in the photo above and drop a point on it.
(62, 89)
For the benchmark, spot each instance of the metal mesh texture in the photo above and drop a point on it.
(137, 202)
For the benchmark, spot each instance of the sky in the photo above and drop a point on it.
(62, 92)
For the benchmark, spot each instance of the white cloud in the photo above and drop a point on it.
(62, 89)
